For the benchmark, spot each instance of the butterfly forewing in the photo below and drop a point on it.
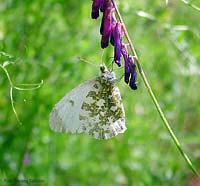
(65, 115)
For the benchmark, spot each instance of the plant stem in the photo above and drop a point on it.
(191, 5)
(144, 78)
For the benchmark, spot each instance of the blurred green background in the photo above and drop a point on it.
(46, 38)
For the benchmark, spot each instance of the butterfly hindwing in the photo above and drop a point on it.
(102, 113)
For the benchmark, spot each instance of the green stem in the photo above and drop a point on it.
(191, 5)
(144, 78)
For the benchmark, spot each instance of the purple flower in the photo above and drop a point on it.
(96, 5)
(113, 23)
(117, 35)
(26, 159)
(111, 30)
(106, 27)
(130, 74)
(132, 67)
(127, 72)
(108, 19)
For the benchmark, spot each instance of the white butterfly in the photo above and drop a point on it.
(94, 107)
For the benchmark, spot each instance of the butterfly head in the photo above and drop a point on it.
(107, 75)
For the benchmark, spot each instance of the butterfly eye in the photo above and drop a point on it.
(102, 68)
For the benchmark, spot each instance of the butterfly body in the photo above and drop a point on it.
(94, 107)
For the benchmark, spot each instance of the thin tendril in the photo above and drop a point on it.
(12, 104)
(145, 80)
(34, 86)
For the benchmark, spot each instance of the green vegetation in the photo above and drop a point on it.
(44, 40)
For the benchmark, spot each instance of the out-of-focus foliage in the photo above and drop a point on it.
(46, 38)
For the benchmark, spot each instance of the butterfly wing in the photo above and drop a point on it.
(102, 113)
(92, 108)
(65, 115)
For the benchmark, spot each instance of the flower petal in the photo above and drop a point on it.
(106, 27)
(114, 21)
(117, 43)
(127, 71)
(106, 4)
(133, 80)
(96, 5)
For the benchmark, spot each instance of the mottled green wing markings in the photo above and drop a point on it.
(102, 114)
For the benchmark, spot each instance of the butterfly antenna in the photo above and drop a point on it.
(120, 78)
(102, 57)
(119, 68)
(115, 69)
(110, 65)
(87, 61)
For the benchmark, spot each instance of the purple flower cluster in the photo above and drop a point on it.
(26, 159)
(111, 31)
